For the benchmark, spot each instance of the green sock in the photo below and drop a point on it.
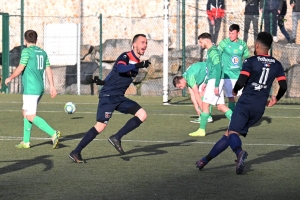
(231, 105)
(42, 124)
(203, 120)
(228, 114)
(210, 109)
(27, 129)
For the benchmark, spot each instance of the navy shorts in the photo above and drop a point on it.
(242, 119)
(107, 105)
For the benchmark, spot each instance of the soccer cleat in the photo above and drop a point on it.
(210, 119)
(116, 143)
(200, 164)
(200, 132)
(56, 138)
(240, 162)
(76, 157)
(23, 145)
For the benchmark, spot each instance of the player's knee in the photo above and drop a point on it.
(100, 126)
(30, 117)
(141, 114)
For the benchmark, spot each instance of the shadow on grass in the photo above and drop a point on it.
(223, 129)
(292, 151)
(149, 150)
(77, 117)
(219, 117)
(22, 164)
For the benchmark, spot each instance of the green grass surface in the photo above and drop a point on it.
(160, 156)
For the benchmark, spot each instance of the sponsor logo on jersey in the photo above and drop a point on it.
(264, 59)
(235, 60)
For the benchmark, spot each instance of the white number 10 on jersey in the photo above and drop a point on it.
(40, 62)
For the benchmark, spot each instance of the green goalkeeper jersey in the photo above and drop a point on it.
(214, 70)
(232, 54)
(35, 61)
(195, 74)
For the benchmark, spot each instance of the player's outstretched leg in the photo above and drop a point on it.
(75, 155)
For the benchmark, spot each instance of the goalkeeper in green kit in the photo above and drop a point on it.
(193, 78)
(34, 61)
(233, 51)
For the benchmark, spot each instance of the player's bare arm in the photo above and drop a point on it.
(194, 101)
(197, 96)
(49, 73)
(16, 73)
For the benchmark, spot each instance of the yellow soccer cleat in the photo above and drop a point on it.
(55, 138)
(23, 145)
(199, 133)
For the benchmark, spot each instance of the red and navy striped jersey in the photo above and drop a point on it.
(262, 71)
(121, 75)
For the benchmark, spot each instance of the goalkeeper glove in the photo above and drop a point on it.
(98, 81)
(143, 64)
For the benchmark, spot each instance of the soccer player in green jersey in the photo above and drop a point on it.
(193, 78)
(233, 51)
(34, 61)
(213, 87)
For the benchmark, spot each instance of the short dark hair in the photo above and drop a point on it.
(265, 39)
(136, 37)
(204, 36)
(233, 27)
(30, 36)
(176, 80)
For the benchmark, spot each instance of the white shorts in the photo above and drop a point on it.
(209, 94)
(228, 87)
(30, 103)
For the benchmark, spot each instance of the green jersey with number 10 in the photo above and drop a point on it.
(232, 54)
(35, 61)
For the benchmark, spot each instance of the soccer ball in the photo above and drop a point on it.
(70, 108)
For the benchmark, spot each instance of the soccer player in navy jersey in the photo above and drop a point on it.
(257, 75)
(111, 98)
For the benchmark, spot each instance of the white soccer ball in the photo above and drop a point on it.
(70, 107)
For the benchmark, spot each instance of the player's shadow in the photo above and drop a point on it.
(49, 143)
(77, 117)
(292, 151)
(23, 164)
(268, 120)
(149, 150)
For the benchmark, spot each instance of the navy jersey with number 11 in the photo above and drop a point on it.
(262, 71)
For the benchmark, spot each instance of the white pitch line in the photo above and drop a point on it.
(162, 114)
(10, 138)
(175, 105)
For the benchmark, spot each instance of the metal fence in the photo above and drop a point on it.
(58, 39)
